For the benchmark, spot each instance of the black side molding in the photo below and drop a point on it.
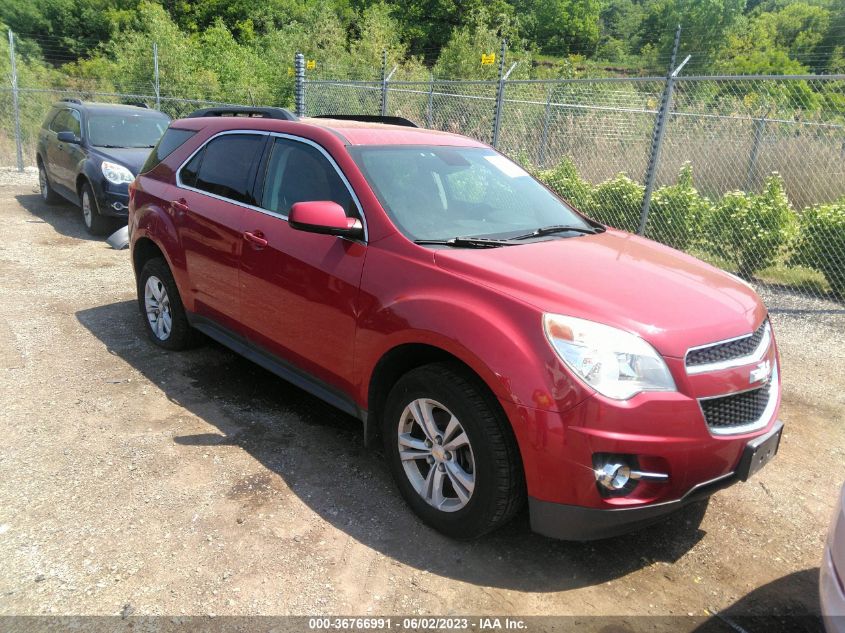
(370, 118)
(276, 365)
(245, 111)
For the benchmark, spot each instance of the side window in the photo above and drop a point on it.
(51, 116)
(61, 122)
(170, 141)
(74, 123)
(189, 172)
(299, 172)
(227, 166)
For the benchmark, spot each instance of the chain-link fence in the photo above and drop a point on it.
(747, 172)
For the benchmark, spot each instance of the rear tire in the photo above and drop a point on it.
(95, 223)
(47, 194)
(161, 307)
(462, 476)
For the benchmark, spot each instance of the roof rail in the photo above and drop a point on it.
(245, 111)
(137, 104)
(71, 100)
(370, 118)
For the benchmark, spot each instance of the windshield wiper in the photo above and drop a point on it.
(467, 242)
(559, 228)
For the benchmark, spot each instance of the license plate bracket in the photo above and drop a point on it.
(759, 452)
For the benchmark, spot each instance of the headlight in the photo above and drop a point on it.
(115, 173)
(615, 363)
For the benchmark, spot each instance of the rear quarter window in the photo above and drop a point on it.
(170, 141)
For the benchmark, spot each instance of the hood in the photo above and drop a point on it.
(670, 299)
(130, 157)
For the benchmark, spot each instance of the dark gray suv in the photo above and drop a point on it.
(88, 153)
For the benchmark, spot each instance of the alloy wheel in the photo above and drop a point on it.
(43, 184)
(436, 455)
(157, 305)
(86, 208)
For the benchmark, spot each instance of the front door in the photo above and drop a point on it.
(299, 290)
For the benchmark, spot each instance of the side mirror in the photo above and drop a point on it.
(68, 137)
(324, 216)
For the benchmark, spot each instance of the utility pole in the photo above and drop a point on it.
(155, 73)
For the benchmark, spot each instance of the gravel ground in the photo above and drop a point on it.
(135, 481)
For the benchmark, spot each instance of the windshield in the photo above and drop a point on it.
(126, 130)
(437, 193)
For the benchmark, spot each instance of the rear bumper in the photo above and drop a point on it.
(578, 523)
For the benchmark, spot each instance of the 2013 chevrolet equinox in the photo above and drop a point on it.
(503, 345)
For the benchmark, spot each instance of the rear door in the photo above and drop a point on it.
(215, 187)
(62, 157)
(299, 290)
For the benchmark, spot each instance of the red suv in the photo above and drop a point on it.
(502, 345)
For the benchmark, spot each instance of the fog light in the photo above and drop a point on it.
(613, 476)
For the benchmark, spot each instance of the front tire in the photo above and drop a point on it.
(95, 223)
(451, 451)
(161, 307)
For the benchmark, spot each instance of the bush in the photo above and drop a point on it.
(820, 243)
(618, 202)
(565, 181)
(678, 212)
(750, 230)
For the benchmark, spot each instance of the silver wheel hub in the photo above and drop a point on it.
(86, 208)
(157, 306)
(436, 455)
(42, 182)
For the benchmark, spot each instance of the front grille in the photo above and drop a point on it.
(744, 409)
(729, 350)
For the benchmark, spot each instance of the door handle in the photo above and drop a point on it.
(179, 206)
(256, 239)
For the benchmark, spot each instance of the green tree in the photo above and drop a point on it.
(564, 26)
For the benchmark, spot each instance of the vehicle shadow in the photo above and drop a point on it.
(789, 604)
(319, 454)
(64, 217)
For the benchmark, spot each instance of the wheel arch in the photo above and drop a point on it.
(143, 251)
(398, 361)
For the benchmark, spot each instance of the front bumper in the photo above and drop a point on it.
(112, 200)
(580, 523)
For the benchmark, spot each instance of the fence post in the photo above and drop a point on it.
(429, 112)
(299, 88)
(544, 137)
(15, 104)
(759, 130)
(384, 82)
(155, 73)
(500, 95)
(659, 129)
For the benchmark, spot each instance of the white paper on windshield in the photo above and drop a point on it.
(512, 170)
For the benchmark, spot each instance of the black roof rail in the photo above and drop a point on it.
(137, 104)
(245, 111)
(370, 118)
(71, 100)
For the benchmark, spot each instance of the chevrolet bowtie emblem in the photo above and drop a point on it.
(761, 372)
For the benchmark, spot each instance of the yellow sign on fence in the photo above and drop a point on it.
(311, 64)
(488, 60)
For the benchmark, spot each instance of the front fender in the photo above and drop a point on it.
(499, 337)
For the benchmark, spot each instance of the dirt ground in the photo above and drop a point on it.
(136, 481)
